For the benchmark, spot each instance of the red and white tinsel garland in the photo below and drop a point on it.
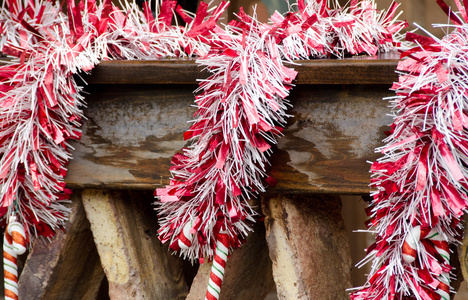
(241, 106)
(40, 101)
(421, 179)
(241, 111)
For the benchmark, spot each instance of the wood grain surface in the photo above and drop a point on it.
(68, 265)
(138, 110)
(308, 246)
(132, 132)
(136, 264)
(354, 70)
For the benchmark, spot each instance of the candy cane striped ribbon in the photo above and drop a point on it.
(14, 244)
(409, 252)
(219, 264)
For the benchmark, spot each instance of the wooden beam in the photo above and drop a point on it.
(355, 70)
(463, 253)
(308, 246)
(137, 266)
(132, 132)
(67, 267)
(146, 72)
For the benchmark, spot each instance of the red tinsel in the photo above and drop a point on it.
(40, 100)
(241, 107)
(241, 111)
(421, 180)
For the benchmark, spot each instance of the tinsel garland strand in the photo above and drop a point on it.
(241, 106)
(40, 101)
(242, 109)
(421, 179)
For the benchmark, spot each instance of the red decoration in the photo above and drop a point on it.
(40, 103)
(421, 179)
(241, 106)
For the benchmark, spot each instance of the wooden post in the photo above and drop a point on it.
(248, 273)
(68, 266)
(308, 246)
(137, 266)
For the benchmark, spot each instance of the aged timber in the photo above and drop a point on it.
(136, 264)
(68, 265)
(137, 113)
(306, 236)
(356, 70)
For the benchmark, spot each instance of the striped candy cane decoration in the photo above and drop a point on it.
(410, 250)
(411, 243)
(185, 237)
(14, 244)
(219, 264)
(442, 247)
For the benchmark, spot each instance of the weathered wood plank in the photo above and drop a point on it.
(455, 262)
(146, 72)
(248, 273)
(308, 246)
(133, 131)
(137, 266)
(360, 70)
(355, 70)
(67, 267)
(329, 139)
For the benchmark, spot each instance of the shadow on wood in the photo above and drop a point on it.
(248, 273)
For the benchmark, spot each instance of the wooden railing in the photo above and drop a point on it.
(136, 115)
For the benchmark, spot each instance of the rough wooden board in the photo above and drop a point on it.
(67, 267)
(355, 70)
(248, 273)
(132, 132)
(308, 246)
(330, 138)
(137, 266)
(146, 72)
